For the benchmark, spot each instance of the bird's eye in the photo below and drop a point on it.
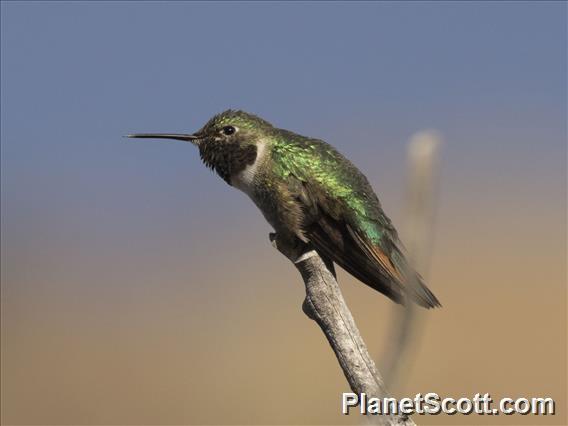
(229, 130)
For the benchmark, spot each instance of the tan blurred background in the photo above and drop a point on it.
(137, 288)
(234, 347)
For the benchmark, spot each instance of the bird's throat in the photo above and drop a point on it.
(228, 159)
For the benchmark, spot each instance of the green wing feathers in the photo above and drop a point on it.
(344, 219)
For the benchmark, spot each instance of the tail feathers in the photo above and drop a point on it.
(421, 294)
(413, 283)
(370, 264)
(416, 291)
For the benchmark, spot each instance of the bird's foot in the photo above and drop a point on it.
(291, 247)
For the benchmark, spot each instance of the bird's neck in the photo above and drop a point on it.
(237, 163)
(246, 178)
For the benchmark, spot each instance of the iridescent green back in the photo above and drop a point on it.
(340, 188)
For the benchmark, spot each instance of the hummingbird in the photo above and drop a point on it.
(310, 194)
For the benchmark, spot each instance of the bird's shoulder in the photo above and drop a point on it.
(331, 180)
(318, 163)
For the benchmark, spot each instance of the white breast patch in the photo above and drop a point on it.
(244, 180)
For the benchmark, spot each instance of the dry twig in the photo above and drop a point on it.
(324, 304)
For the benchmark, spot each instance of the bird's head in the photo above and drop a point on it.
(226, 142)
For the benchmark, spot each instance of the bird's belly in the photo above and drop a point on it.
(266, 203)
(280, 210)
(271, 196)
(271, 205)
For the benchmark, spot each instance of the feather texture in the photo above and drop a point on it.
(343, 217)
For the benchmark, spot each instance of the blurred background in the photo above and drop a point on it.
(138, 288)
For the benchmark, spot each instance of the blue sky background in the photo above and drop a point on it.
(95, 226)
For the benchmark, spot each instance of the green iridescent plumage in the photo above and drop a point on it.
(320, 165)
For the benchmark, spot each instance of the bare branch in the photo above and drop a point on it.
(324, 304)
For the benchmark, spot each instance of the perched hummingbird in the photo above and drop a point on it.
(311, 193)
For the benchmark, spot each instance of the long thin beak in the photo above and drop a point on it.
(177, 136)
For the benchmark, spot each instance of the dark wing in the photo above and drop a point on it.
(344, 221)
